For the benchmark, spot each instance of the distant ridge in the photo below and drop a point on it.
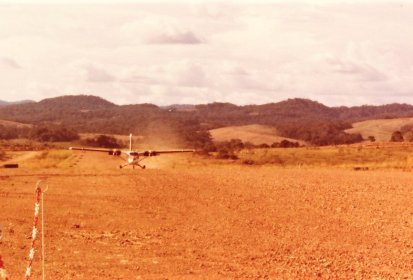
(296, 118)
(294, 107)
(80, 102)
(366, 112)
(180, 107)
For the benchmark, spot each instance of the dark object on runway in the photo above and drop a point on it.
(11, 165)
(360, 168)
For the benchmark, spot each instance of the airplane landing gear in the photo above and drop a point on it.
(133, 165)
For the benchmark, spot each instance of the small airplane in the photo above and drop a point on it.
(133, 158)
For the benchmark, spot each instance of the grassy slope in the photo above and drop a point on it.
(373, 156)
(256, 134)
(391, 155)
(380, 129)
(13, 124)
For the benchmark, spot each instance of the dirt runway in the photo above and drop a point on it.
(210, 222)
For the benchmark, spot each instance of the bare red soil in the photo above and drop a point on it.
(210, 222)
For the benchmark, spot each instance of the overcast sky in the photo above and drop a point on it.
(335, 52)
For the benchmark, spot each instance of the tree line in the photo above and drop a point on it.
(299, 119)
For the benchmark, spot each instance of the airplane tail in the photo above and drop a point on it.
(130, 142)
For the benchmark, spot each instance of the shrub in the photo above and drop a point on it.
(226, 154)
(248, 162)
(248, 145)
(371, 138)
(102, 141)
(263, 146)
(275, 145)
(396, 137)
(288, 144)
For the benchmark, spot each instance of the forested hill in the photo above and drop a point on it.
(361, 113)
(294, 118)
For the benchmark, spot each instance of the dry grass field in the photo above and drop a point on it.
(372, 156)
(191, 218)
(256, 134)
(381, 129)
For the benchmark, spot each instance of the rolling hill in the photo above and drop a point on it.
(14, 124)
(381, 129)
(303, 119)
(254, 133)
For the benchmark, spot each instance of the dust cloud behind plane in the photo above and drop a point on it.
(336, 52)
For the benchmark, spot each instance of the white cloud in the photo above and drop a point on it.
(336, 53)
(159, 29)
(174, 37)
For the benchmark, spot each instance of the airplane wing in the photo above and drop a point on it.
(109, 151)
(158, 152)
(116, 152)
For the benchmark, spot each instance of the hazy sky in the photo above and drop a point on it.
(335, 52)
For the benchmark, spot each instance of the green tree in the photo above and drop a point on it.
(371, 138)
(103, 141)
(397, 137)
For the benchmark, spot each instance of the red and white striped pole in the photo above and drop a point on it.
(34, 232)
(3, 272)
